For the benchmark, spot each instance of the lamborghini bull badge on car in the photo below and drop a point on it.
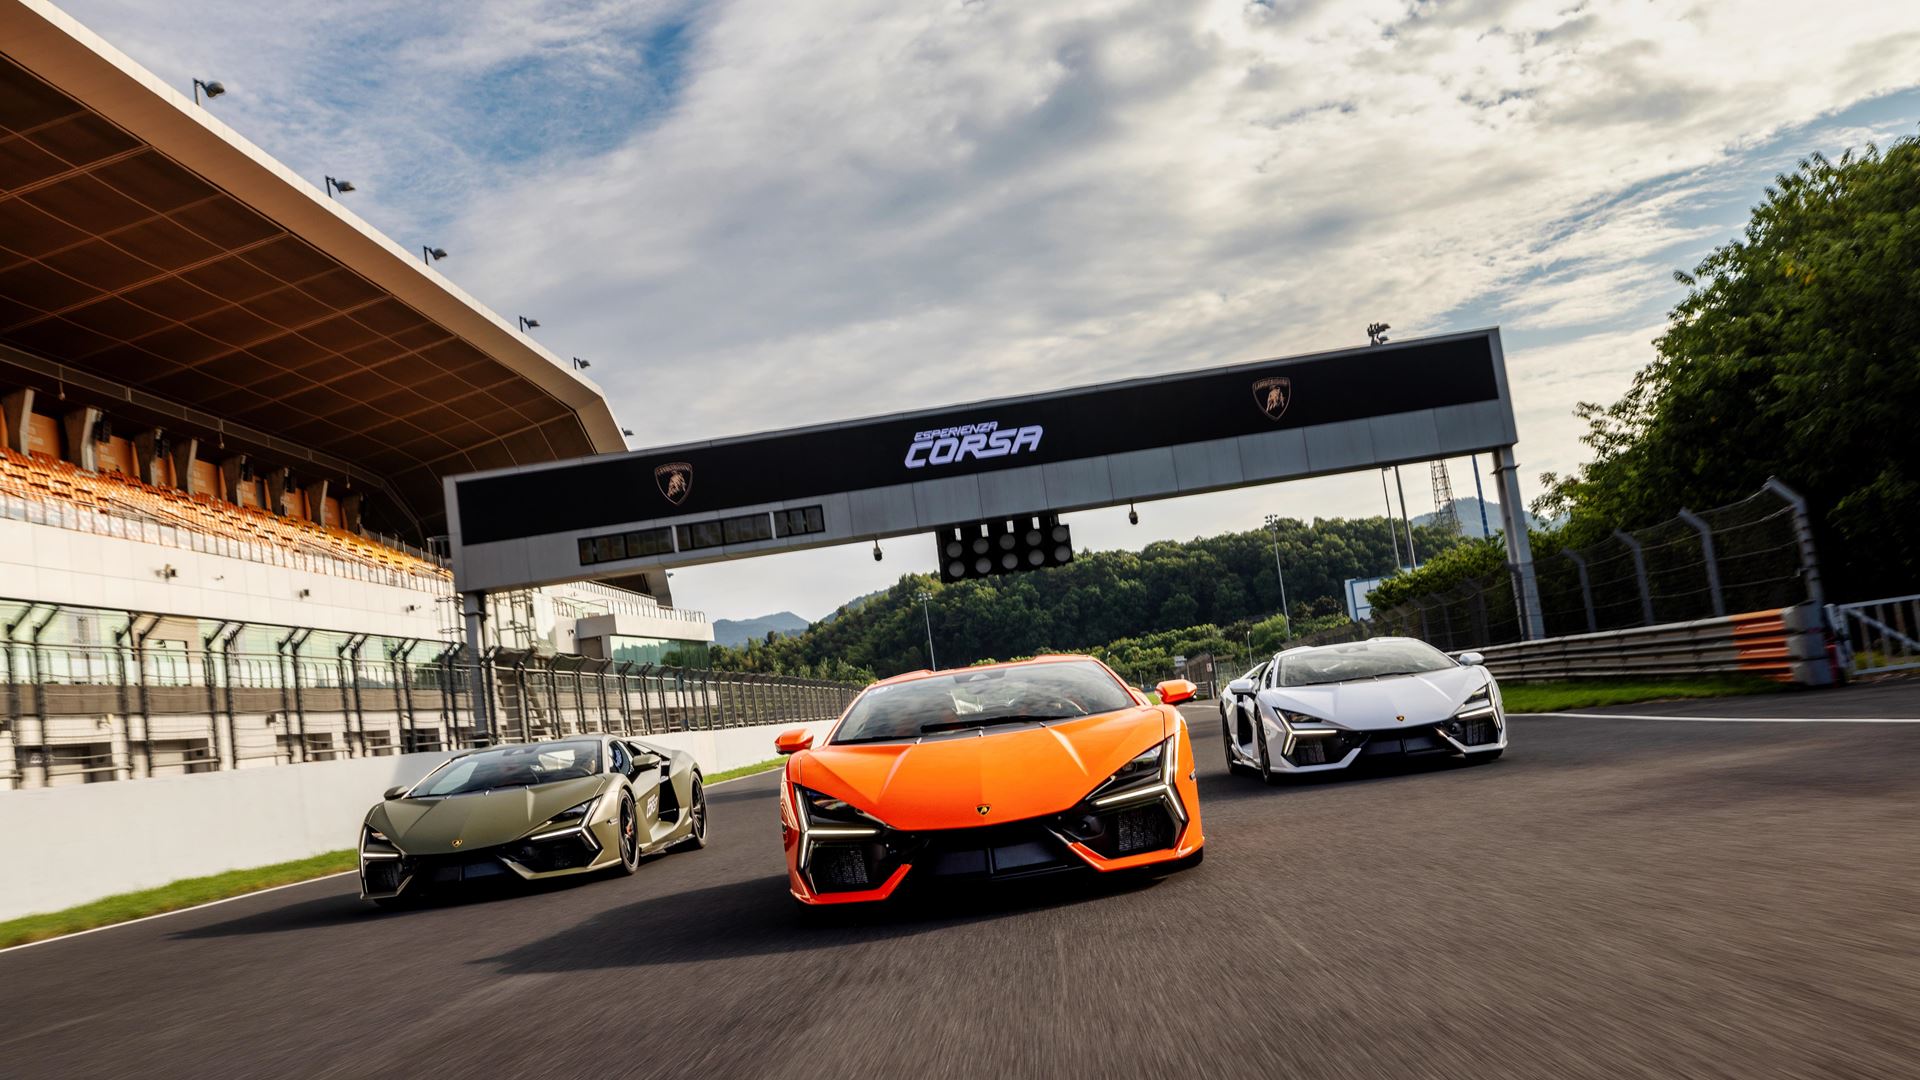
(989, 773)
(539, 810)
(1314, 709)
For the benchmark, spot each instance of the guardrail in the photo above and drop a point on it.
(1788, 645)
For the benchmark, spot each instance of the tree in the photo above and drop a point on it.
(1796, 354)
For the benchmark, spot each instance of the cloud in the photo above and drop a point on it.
(752, 214)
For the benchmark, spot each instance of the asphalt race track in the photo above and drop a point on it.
(1617, 897)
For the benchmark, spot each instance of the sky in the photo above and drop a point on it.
(751, 215)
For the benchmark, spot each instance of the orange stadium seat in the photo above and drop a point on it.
(43, 479)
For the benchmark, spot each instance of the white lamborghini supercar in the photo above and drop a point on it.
(1325, 707)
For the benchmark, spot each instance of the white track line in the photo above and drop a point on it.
(175, 911)
(258, 892)
(1734, 719)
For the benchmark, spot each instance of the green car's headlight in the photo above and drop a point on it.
(375, 845)
(571, 817)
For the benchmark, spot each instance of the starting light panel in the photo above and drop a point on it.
(1003, 546)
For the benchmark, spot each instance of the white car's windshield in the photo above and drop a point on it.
(1359, 660)
(965, 699)
(512, 766)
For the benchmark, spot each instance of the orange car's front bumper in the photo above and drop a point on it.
(1187, 843)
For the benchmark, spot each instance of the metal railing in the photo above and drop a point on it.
(78, 713)
(63, 514)
(1878, 635)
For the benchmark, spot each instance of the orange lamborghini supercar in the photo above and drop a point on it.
(990, 773)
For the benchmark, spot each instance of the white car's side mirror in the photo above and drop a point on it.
(1242, 686)
(1472, 659)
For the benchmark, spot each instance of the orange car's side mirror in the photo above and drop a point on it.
(794, 741)
(1175, 691)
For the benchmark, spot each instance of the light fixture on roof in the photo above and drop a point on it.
(431, 255)
(1377, 333)
(526, 323)
(211, 88)
(336, 188)
(578, 364)
(627, 431)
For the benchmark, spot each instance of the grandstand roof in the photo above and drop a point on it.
(159, 265)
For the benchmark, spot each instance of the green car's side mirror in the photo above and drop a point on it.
(395, 792)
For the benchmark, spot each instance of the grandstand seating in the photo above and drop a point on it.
(115, 494)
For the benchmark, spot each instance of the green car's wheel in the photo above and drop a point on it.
(697, 814)
(629, 834)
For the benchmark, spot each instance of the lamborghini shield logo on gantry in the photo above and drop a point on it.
(1273, 396)
(675, 480)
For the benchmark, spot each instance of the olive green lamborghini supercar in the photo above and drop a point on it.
(538, 810)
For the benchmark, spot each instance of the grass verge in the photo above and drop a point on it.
(1541, 697)
(180, 894)
(745, 770)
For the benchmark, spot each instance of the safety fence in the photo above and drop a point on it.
(1753, 555)
(79, 714)
(1878, 635)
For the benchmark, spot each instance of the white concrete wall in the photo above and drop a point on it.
(68, 845)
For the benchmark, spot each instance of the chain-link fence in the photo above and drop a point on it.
(145, 706)
(1752, 555)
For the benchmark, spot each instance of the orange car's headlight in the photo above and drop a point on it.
(1148, 776)
(827, 816)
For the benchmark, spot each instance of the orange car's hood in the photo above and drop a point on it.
(1015, 772)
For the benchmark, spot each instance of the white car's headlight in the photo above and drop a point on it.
(1478, 704)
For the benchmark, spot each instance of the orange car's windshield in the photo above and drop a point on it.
(1022, 694)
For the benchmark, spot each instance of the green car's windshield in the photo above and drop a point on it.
(1360, 660)
(1056, 690)
(512, 766)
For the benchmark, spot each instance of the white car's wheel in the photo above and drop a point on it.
(1234, 765)
(1266, 762)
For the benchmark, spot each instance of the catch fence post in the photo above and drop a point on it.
(626, 702)
(1803, 538)
(646, 700)
(1706, 552)
(1586, 589)
(1639, 574)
